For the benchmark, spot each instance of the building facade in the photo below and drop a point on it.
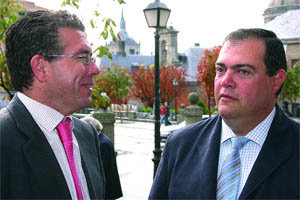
(283, 17)
(278, 7)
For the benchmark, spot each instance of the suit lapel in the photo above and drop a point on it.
(275, 151)
(90, 161)
(208, 149)
(43, 167)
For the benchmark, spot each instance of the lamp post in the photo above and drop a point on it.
(157, 15)
(175, 83)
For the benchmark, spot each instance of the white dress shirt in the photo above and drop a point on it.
(250, 151)
(47, 119)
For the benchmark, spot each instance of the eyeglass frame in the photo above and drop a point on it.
(87, 59)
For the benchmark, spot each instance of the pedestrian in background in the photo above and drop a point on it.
(163, 108)
(167, 114)
(113, 185)
(165, 111)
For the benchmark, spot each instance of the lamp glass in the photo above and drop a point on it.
(164, 16)
(151, 17)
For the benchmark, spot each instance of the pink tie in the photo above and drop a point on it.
(65, 134)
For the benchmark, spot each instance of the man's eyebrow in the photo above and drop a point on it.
(243, 65)
(220, 64)
(83, 51)
(237, 66)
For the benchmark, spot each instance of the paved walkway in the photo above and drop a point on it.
(134, 143)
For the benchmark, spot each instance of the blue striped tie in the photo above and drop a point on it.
(229, 180)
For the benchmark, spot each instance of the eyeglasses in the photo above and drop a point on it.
(86, 59)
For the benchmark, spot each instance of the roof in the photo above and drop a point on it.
(190, 60)
(287, 25)
(127, 61)
(277, 3)
(193, 56)
(30, 6)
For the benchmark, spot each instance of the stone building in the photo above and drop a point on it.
(278, 7)
(126, 52)
(283, 17)
(125, 45)
(168, 46)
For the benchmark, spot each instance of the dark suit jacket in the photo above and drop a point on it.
(113, 185)
(188, 169)
(29, 169)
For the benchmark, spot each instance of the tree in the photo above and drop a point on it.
(9, 13)
(167, 89)
(292, 83)
(115, 82)
(107, 31)
(143, 83)
(207, 72)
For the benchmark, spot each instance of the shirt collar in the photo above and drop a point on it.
(257, 135)
(47, 117)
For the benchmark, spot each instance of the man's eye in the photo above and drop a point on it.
(244, 72)
(219, 70)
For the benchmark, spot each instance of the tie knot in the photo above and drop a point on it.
(64, 129)
(239, 142)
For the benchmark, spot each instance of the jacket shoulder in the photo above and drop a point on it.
(7, 122)
(194, 131)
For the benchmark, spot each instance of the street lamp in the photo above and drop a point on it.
(157, 15)
(175, 83)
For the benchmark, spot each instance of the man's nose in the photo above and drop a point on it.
(228, 79)
(93, 68)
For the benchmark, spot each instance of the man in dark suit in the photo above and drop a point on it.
(50, 63)
(113, 185)
(250, 71)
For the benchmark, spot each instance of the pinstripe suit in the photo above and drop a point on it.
(29, 168)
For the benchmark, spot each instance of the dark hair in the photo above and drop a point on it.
(35, 33)
(274, 57)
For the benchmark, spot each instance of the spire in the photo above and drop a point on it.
(122, 23)
(123, 33)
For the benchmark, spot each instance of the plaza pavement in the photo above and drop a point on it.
(134, 143)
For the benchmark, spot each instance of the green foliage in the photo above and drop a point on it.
(102, 50)
(9, 13)
(70, 3)
(205, 109)
(203, 106)
(104, 101)
(173, 111)
(115, 82)
(146, 109)
(107, 30)
(292, 83)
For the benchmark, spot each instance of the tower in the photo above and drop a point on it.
(168, 46)
(126, 45)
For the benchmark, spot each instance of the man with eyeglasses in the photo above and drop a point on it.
(45, 152)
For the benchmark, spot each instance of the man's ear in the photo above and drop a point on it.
(39, 67)
(278, 80)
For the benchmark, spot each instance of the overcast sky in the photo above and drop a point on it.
(206, 22)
